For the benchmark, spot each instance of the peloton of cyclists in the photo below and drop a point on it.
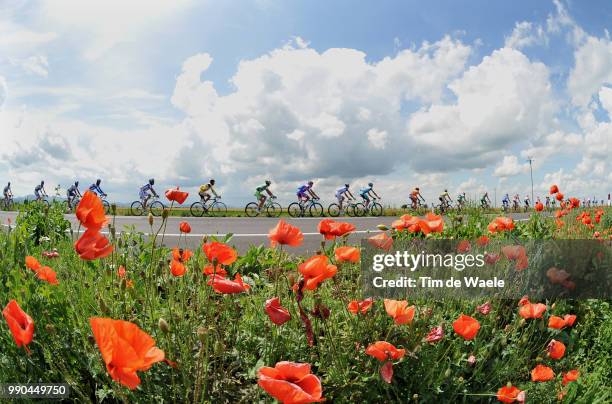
(146, 190)
(95, 187)
(343, 194)
(305, 192)
(73, 192)
(204, 188)
(366, 192)
(39, 191)
(415, 195)
(260, 195)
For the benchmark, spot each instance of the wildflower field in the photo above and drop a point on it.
(121, 318)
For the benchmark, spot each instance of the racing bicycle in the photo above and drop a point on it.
(351, 208)
(154, 205)
(374, 208)
(212, 207)
(299, 209)
(271, 208)
(7, 203)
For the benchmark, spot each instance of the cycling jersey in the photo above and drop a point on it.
(262, 188)
(72, 190)
(303, 189)
(7, 189)
(506, 198)
(96, 188)
(414, 194)
(205, 188)
(38, 188)
(444, 196)
(364, 191)
(144, 190)
(341, 191)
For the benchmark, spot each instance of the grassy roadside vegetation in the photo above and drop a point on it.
(217, 342)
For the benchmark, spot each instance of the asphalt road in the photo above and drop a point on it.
(246, 231)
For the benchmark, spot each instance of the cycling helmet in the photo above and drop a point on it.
(76, 183)
(152, 181)
(446, 190)
(310, 182)
(9, 184)
(42, 182)
(268, 182)
(346, 185)
(370, 184)
(98, 181)
(417, 188)
(212, 181)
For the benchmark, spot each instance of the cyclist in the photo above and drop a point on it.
(39, 191)
(485, 202)
(461, 199)
(146, 190)
(366, 192)
(95, 187)
(445, 199)
(516, 200)
(73, 192)
(547, 202)
(260, 196)
(203, 192)
(506, 201)
(414, 197)
(305, 192)
(343, 194)
(8, 194)
(526, 200)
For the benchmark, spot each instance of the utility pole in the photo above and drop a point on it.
(529, 159)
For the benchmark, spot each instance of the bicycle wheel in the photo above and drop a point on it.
(252, 209)
(360, 209)
(197, 209)
(136, 208)
(377, 209)
(274, 210)
(157, 208)
(106, 206)
(294, 209)
(350, 210)
(316, 209)
(333, 210)
(218, 209)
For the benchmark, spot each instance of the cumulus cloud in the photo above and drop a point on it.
(592, 69)
(510, 166)
(526, 34)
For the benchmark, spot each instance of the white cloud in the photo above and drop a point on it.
(605, 98)
(592, 69)
(3, 91)
(378, 138)
(37, 64)
(526, 34)
(510, 166)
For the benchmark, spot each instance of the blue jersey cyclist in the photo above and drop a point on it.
(95, 187)
(73, 192)
(39, 191)
(366, 192)
(343, 194)
(506, 200)
(146, 190)
(305, 192)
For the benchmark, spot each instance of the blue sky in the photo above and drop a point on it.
(441, 94)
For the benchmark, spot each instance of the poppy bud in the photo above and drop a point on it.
(163, 325)
(150, 219)
(111, 229)
(509, 385)
(50, 329)
(91, 339)
(201, 332)
(165, 213)
(114, 209)
(382, 227)
(204, 239)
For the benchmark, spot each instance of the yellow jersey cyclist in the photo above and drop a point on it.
(415, 195)
(204, 191)
(445, 198)
(343, 194)
(304, 193)
(366, 192)
(259, 194)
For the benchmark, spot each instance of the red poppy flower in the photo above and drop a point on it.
(556, 349)
(491, 258)
(381, 241)
(20, 324)
(331, 229)
(406, 222)
(32, 263)
(482, 241)
(501, 224)
(432, 224)
(291, 383)
(435, 335)
(508, 394)
(484, 308)
(284, 233)
(210, 270)
(220, 253)
(93, 245)
(399, 311)
(177, 268)
(559, 196)
(227, 286)
(125, 349)
(277, 313)
(90, 211)
(523, 301)
(569, 319)
(463, 246)
(557, 276)
(570, 376)
(184, 227)
(362, 307)
(384, 351)
(315, 270)
(347, 254)
(121, 271)
(539, 206)
(554, 189)
(574, 203)
(531, 310)
(174, 195)
(542, 373)
(556, 322)
(182, 255)
(466, 326)
(48, 275)
(514, 252)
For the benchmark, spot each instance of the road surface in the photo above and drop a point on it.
(246, 231)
